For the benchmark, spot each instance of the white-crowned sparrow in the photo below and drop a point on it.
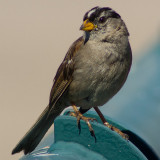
(92, 72)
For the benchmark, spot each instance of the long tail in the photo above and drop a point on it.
(32, 138)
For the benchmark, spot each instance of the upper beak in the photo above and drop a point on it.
(87, 26)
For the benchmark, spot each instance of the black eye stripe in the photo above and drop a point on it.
(113, 14)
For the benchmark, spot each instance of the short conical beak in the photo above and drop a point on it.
(87, 26)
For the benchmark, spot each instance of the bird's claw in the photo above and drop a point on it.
(79, 117)
(123, 135)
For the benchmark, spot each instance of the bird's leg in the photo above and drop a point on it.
(125, 136)
(80, 116)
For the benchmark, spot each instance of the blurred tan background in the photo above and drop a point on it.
(34, 37)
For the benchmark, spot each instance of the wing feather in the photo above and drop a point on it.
(64, 73)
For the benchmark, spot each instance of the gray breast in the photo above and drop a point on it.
(99, 74)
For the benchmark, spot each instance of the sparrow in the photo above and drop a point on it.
(94, 69)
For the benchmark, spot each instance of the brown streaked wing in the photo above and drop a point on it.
(64, 73)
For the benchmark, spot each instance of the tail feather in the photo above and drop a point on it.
(32, 138)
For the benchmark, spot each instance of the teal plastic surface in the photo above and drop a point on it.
(69, 144)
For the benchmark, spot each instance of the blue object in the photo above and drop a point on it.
(70, 145)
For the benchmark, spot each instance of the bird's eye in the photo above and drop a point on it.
(102, 19)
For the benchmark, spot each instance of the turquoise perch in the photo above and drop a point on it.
(70, 145)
